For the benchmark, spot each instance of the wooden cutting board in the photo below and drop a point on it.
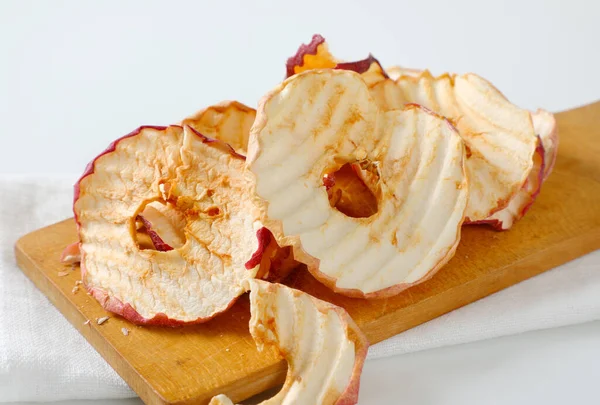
(191, 364)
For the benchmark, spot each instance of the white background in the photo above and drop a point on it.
(75, 75)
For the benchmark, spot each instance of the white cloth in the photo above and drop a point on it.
(43, 358)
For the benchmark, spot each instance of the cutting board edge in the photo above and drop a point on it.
(481, 287)
(264, 378)
(273, 374)
(76, 318)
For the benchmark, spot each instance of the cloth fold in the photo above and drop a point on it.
(43, 358)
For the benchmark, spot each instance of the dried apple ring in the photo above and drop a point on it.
(205, 183)
(323, 346)
(499, 136)
(312, 125)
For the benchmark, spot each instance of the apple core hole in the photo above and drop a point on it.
(160, 226)
(353, 189)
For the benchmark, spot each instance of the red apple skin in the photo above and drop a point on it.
(305, 49)
(311, 48)
(219, 143)
(497, 224)
(71, 254)
(361, 66)
(264, 237)
(113, 304)
(89, 169)
(157, 241)
(116, 306)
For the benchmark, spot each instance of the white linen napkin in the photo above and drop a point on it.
(43, 358)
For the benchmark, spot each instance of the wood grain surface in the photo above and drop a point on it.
(191, 364)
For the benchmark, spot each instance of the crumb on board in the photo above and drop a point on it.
(87, 322)
(125, 331)
(63, 273)
(75, 289)
(100, 321)
(78, 282)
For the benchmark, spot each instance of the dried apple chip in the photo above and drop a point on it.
(544, 126)
(323, 346)
(228, 121)
(204, 182)
(70, 254)
(521, 202)
(316, 55)
(312, 125)
(499, 136)
(546, 129)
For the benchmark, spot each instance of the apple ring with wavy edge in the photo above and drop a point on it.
(319, 120)
(201, 178)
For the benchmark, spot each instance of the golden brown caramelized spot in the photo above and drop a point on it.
(214, 211)
(355, 116)
(348, 192)
(394, 240)
(468, 152)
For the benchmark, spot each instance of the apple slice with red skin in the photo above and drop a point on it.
(312, 125)
(521, 203)
(499, 136)
(544, 126)
(546, 129)
(316, 55)
(322, 344)
(205, 181)
(71, 254)
(229, 122)
(492, 191)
